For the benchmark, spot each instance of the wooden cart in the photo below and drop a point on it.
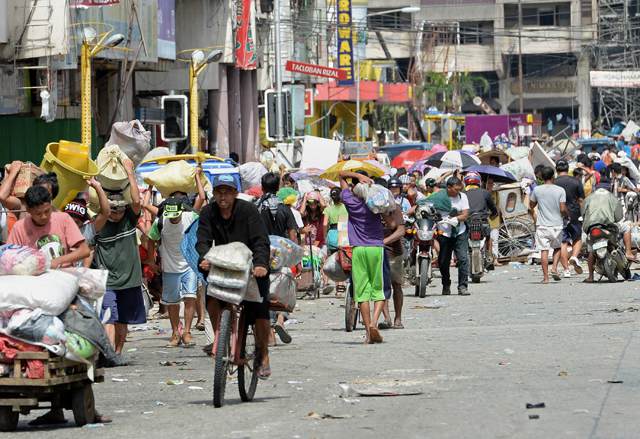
(66, 384)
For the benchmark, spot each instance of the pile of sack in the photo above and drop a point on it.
(43, 309)
(230, 272)
(282, 288)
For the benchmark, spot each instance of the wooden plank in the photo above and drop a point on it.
(43, 382)
(29, 356)
(19, 402)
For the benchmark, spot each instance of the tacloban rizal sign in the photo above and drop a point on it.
(627, 78)
(316, 70)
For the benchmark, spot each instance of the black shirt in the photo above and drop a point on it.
(481, 202)
(282, 223)
(574, 190)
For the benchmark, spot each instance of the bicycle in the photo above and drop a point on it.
(236, 344)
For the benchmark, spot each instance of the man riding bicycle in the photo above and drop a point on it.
(231, 220)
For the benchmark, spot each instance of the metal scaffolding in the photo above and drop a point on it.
(618, 49)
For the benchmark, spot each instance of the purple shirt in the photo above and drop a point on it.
(365, 227)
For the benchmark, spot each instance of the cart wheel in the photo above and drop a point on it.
(514, 237)
(8, 418)
(83, 405)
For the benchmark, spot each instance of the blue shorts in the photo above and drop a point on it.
(177, 286)
(127, 306)
(572, 232)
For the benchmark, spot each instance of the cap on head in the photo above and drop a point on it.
(393, 181)
(225, 180)
(77, 209)
(313, 197)
(173, 207)
(404, 178)
(117, 202)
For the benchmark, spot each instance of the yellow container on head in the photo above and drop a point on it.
(74, 154)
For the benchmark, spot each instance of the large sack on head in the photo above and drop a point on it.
(132, 139)
(112, 174)
(251, 174)
(177, 176)
(94, 201)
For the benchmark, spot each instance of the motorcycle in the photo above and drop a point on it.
(609, 254)
(480, 258)
(424, 231)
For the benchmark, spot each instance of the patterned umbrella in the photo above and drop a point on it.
(379, 165)
(352, 166)
(307, 173)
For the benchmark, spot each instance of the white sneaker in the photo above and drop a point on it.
(567, 274)
(576, 264)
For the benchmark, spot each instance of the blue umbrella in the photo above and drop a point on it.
(498, 175)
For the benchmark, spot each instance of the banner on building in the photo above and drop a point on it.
(308, 102)
(245, 45)
(166, 29)
(626, 78)
(345, 41)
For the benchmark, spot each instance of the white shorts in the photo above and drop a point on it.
(548, 237)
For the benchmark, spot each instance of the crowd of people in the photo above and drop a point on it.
(138, 240)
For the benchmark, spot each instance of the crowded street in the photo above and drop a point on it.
(571, 345)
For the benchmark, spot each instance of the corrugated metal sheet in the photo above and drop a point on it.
(26, 138)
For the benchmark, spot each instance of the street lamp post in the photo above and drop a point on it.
(198, 63)
(406, 10)
(88, 50)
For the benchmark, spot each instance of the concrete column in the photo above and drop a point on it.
(246, 115)
(505, 95)
(219, 115)
(584, 94)
(235, 125)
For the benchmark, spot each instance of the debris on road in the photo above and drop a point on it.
(615, 382)
(630, 309)
(291, 322)
(534, 416)
(195, 388)
(577, 411)
(314, 416)
(508, 351)
(382, 392)
(93, 425)
(120, 380)
(173, 363)
(176, 383)
(436, 304)
(159, 403)
(563, 374)
(536, 406)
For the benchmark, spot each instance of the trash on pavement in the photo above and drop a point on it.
(132, 350)
(516, 278)
(314, 416)
(159, 403)
(93, 425)
(120, 380)
(534, 416)
(173, 363)
(331, 324)
(291, 322)
(575, 412)
(195, 388)
(383, 392)
(536, 406)
(160, 332)
(176, 383)
(143, 328)
(508, 351)
(615, 381)
(563, 374)
(436, 304)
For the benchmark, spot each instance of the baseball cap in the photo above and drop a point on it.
(117, 202)
(77, 209)
(404, 178)
(225, 180)
(393, 181)
(313, 197)
(173, 207)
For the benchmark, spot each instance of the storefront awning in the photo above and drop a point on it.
(370, 91)
(542, 103)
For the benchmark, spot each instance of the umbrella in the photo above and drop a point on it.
(420, 165)
(498, 175)
(351, 165)
(378, 165)
(439, 147)
(409, 157)
(452, 159)
(486, 156)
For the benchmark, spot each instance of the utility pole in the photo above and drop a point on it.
(279, 115)
(519, 54)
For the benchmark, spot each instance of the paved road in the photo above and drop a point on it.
(566, 345)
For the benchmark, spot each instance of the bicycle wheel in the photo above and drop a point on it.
(514, 237)
(248, 372)
(223, 352)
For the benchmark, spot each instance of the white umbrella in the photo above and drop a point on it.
(452, 160)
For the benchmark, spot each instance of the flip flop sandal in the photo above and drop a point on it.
(263, 375)
(556, 276)
(385, 325)
(284, 335)
(398, 326)
(588, 281)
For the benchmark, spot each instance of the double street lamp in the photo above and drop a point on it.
(89, 50)
(406, 10)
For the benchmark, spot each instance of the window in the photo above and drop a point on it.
(476, 33)
(392, 20)
(545, 65)
(538, 15)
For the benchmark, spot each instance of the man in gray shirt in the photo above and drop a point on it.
(552, 209)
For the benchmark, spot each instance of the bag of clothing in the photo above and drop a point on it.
(112, 174)
(223, 277)
(378, 198)
(253, 293)
(234, 256)
(52, 291)
(22, 261)
(36, 327)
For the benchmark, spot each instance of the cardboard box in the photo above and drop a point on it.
(343, 231)
(24, 180)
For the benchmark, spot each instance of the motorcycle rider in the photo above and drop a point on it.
(602, 207)
(480, 200)
(395, 186)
